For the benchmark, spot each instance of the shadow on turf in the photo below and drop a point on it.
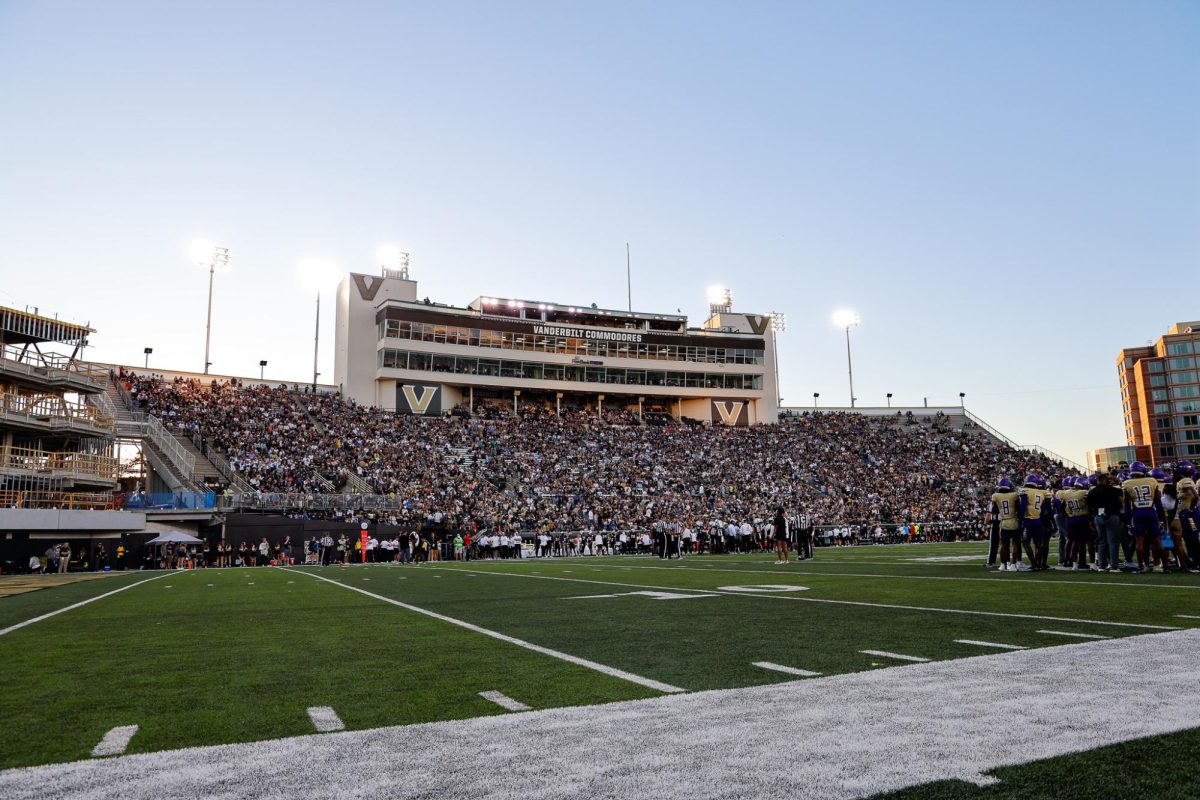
(1157, 768)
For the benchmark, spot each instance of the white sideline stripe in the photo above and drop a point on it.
(1186, 616)
(503, 700)
(997, 645)
(939, 701)
(900, 656)
(325, 719)
(537, 648)
(803, 673)
(80, 604)
(1075, 635)
(115, 741)
(794, 598)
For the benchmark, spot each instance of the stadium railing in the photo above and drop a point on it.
(152, 429)
(218, 460)
(62, 464)
(77, 501)
(48, 365)
(1066, 462)
(55, 411)
(168, 501)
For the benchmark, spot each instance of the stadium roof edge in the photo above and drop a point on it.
(28, 327)
(247, 380)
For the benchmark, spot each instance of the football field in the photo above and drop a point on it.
(840, 649)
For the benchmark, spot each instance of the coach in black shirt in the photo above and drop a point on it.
(1104, 502)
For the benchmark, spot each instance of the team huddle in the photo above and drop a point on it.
(1150, 514)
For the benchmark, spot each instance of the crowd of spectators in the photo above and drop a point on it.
(535, 470)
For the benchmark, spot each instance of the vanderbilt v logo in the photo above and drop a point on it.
(367, 291)
(419, 403)
(730, 412)
(758, 323)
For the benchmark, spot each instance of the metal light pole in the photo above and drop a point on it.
(262, 367)
(316, 341)
(815, 396)
(147, 351)
(778, 326)
(216, 257)
(962, 400)
(889, 399)
(847, 319)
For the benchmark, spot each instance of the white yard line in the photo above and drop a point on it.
(1186, 616)
(1043, 582)
(115, 741)
(80, 604)
(803, 673)
(1075, 635)
(849, 725)
(795, 598)
(504, 701)
(996, 645)
(325, 719)
(899, 656)
(537, 648)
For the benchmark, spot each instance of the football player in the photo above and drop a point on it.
(1078, 525)
(1066, 485)
(1004, 517)
(1143, 505)
(1034, 505)
(1172, 541)
(1186, 513)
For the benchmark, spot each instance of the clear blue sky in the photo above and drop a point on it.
(1007, 192)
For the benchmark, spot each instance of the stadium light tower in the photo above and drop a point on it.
(778, 326)
(815, 396)
(207, 254)
(720, 300)
(262, 368)
(147, 351)
(889, 399)
(845, 318)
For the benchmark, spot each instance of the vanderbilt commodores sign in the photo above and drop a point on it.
(419, 398)
(731, 412)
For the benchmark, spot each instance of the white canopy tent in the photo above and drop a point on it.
(175, 537)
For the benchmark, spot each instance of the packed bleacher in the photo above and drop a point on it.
(533, 470)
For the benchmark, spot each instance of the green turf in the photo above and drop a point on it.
(1156, 768)
(243, 659)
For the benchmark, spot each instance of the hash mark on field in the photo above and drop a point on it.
(1075, 635)
(997, 645)
(1186, 616)
(803, 673)
(901, 656)
(325, 719)
(115, 741)
(503, 700)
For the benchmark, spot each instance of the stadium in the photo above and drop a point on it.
(599, 401)
(427, 535)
